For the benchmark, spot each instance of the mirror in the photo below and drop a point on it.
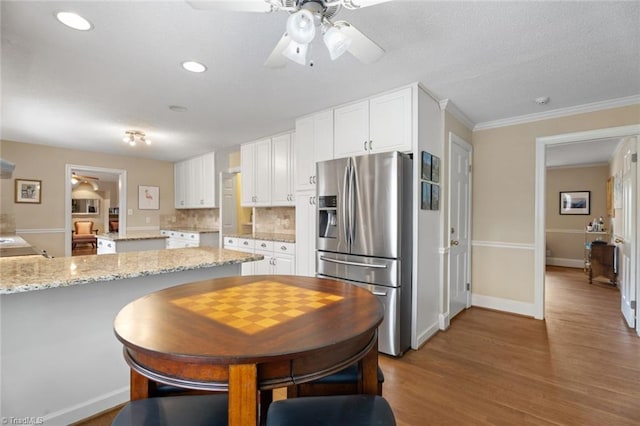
(85, 206)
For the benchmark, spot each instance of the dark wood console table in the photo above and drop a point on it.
(603, 262)
(249, 334)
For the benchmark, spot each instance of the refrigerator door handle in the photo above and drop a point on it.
(346, 262)
(379, 293)
(344, 209)
(352, 207)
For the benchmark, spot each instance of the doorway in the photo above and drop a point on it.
(540, 203)
(97, 195)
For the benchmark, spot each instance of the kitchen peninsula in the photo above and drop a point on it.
(59, 358)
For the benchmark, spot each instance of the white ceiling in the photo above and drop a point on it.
(491, 59)
(592, 152)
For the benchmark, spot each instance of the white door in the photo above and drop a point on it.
(228, 216)
(459, 225)
(627, 244)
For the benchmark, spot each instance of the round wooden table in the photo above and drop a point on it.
(245, 334)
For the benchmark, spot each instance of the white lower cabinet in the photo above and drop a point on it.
(279, 257)
(180, 239)
(306, 233)
(110, 246)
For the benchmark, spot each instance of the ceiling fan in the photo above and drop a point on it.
(306, 17)
(77, 179)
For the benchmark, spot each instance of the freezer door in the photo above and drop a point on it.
(377, 201)
(370, 270)
(332, 219)
(389, 333)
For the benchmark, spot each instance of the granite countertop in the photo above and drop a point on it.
(29, 273)
(190, 229)
(133, 235)
(266, 236)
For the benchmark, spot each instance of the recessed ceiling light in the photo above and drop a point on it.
(73, 20)
(178, 108)
(194, 66)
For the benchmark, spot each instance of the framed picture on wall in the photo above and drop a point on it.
(575, 202)
(426, 165)
(426, 196)
(435, 197)
(435, 169)
(28, 191)
(148, 197)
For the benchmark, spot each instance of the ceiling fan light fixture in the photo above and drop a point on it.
(336, 41)
(297, 52)
(73, 20)
(132, 137)
(301, 26)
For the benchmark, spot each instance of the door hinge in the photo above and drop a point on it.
(470, 167)
(468, 286)
(633, 304)
(634, 158)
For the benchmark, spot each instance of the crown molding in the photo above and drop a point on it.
(451, 108)
(560, 112)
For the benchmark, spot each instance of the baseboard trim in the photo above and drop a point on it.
(569, 263)
(40, 231)
(426, 335)
(86, 409)
(444, 321)
(500, 304)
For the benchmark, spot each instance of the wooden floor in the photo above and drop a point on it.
(83, 249)
(581, 366)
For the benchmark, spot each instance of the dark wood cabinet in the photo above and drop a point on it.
(603, 262)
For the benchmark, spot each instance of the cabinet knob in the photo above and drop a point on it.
(314, 179)
(310, 179)
(245, 243)
(263, 245)
(365, 145)
(619, 241)
(230, 241)
(283, 248)
(370, 142)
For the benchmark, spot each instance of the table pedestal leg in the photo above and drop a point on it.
(139, 386)
(243, 394)
(369, 365)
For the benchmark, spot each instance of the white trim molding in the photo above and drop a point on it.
(567, 263)
(40, 231)
(505, 305)
(88, 408)
(501, 244)
(426, 335)
(566, 231)
(560, 112)
(451, 108)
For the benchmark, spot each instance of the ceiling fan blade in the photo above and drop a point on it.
(362, 47)
(74, 175)
(276, 59)
(357, 4)
(233, 5)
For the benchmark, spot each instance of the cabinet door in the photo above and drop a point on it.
(264, 266)
(207, 179)
(247, 167)
(179, 178)
(351, 130)
(304, 151)
(193, 168)
(281, 171)
(262, 172)
(306, 234)
(390, 122)
(323, 138)
(284, 265)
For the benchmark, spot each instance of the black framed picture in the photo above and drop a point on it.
(435, 197)
(426, 165)
(575, 202)
(435, 169)
(426, 196)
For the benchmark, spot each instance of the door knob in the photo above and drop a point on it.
(619, 241)
(455, 242)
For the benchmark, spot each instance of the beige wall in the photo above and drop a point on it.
(48, 165)
(504, 197)
(565, 233)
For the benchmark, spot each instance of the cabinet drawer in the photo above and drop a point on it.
(284, 248)
(246, 244)
(230, 242)
(264, 245)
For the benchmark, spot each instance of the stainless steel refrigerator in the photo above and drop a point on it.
(364, 234)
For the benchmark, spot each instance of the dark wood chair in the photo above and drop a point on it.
(344, 382)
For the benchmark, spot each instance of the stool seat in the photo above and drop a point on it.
(340, 410)
(192, 410)
(344, 382)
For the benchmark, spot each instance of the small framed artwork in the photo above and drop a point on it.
(435, 169)
(575, 202)
(426, 196)
(426, 165)
(435, 197)
(28, 191)
(148, 197)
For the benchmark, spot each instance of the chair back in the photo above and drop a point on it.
(83, 227)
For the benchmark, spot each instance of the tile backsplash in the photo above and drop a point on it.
(278, 220)
(191, 218)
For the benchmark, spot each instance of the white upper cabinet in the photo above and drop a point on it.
(255, 162)
(195, 182)
(282, 171)
(379, 124)
(313, 143)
